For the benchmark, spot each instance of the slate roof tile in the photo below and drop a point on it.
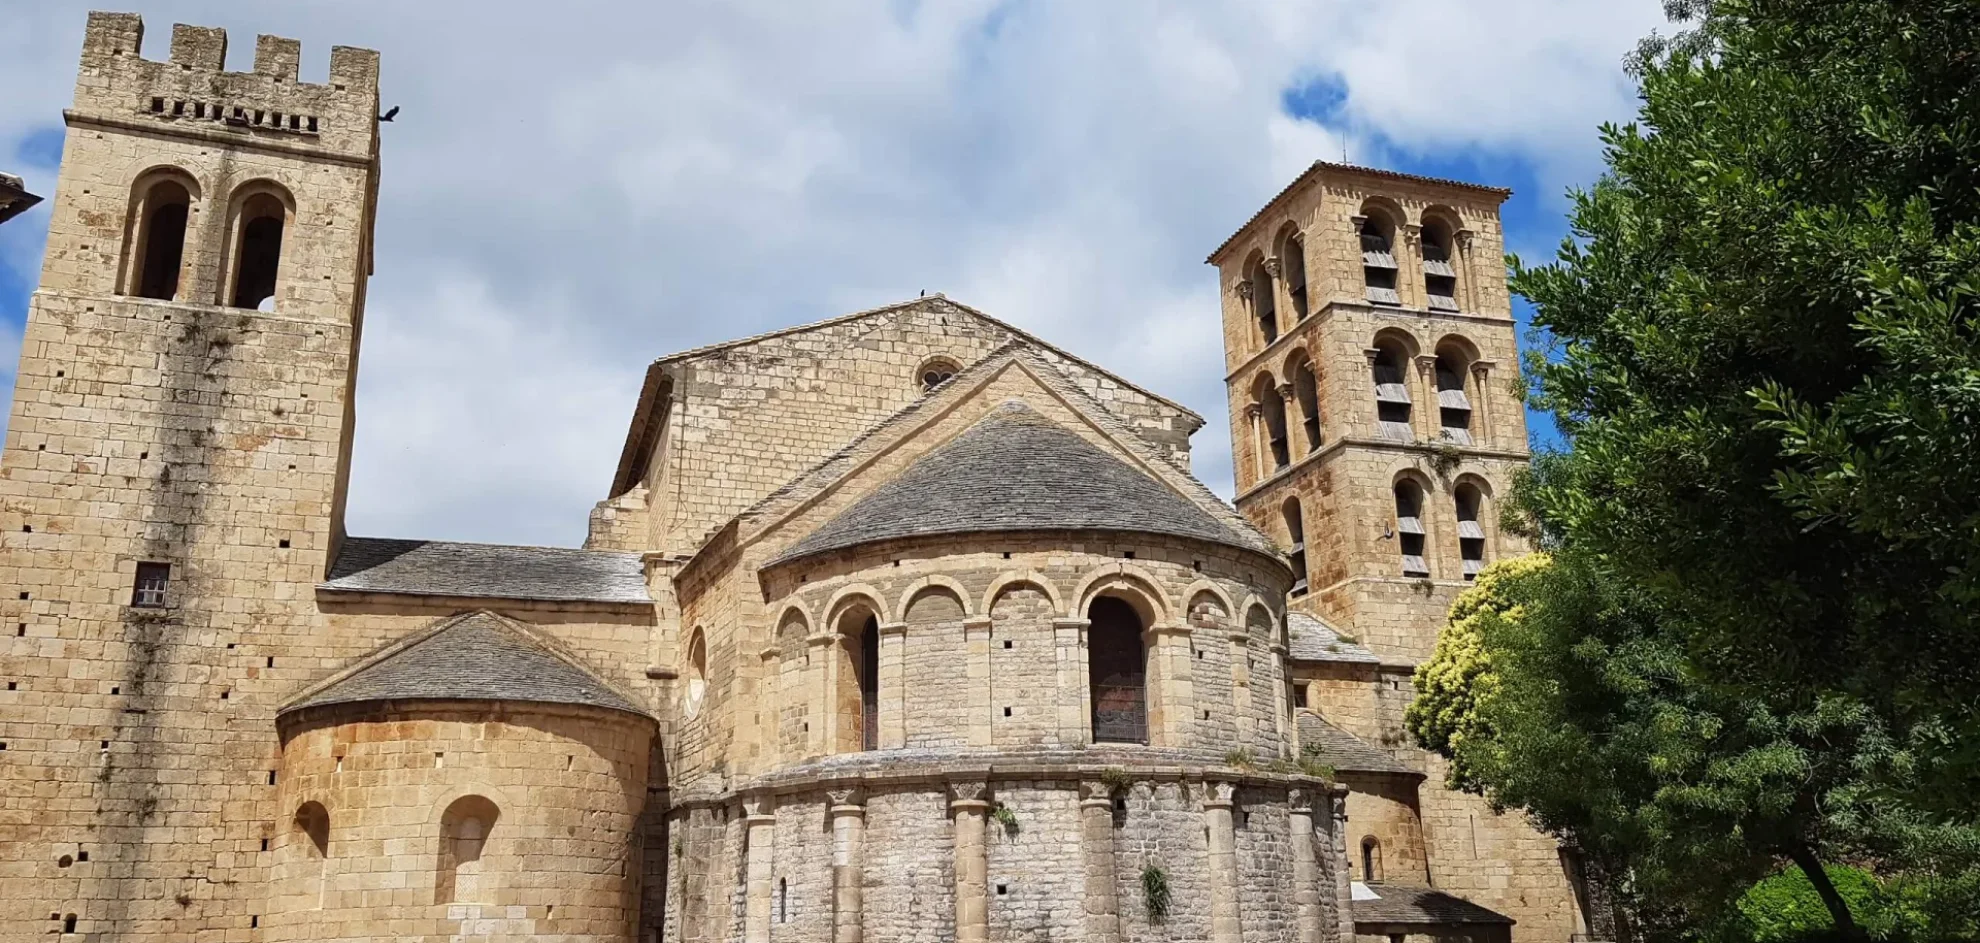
(1420, 905)
(1342, 750)
(1015, 471)
(487, 571)
(1309, 638)
(475, 656)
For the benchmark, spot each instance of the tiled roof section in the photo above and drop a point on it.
(1421, 905)
(475, 656)
(1321, 165)
(487, 571)
(1015, 471)
(1342, 750)
(1311, 639)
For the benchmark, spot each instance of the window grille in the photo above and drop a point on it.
(152, 581)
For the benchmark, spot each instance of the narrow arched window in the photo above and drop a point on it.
(1439, 275)
(858, 692)
(697, 672)
(1306, 391)
(1117, 672)
(1409, 528)
(1392, 403)
(1264, 304)
(258, 226)
(1453, 405)
(159, 240)
(1275, 425)
(783, 900)
(936, 372)
(1371, 860)
(312, 824)
(1292, 257)
(1378, 258)
(1471, 534)
(465, 829)
(1296, 536)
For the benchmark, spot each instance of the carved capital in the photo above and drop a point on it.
(893, 628)
(1479, 368)
(1464, 238)
(1299, 800)
(1285, 391)
(1218, 795)
(1095, 792)
(1372, 353)
(1358, 221)
(1243, 289)
(821, 639)
(846, 798)
(1252, 410)
(969, 795)
(1273, 266)
(1412, 233)
(1337, 805)
(1427, 363)
(759, 808)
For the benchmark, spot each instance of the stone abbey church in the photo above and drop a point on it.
(899, 627)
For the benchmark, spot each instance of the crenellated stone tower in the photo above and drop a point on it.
(1376, 420)
(173, 477)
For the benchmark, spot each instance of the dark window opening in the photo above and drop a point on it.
(259, 252)
(1263, 304)
(1296, 554)
(1293, 258)
(1371, 860)
(1439, 278)
(1378, 261)
(161, 239)
(1453, 406)
(153, 579)
(1299, 695)
(1392, 403)
(1306, 392)
(1118, 670)
(1409, 528)
(1275, 426)
(1471, 536)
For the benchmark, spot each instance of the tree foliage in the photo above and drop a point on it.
(1757, 641)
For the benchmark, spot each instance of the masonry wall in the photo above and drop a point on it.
(561, 856)
(743, 420)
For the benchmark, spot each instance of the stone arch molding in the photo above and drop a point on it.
(1130, 577)
(856, 592)
(1205, 586)
(1007, 581)
(936, 583)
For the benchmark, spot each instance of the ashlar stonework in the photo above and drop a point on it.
(901, 626)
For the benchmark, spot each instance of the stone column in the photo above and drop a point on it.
(1242, 721)
(1409, 268)
(1171, 690)
(1343, 882)
(976, 642)
(1252, 417)
(1295, 421)
(893, 686)
(848, 863)
(1217, 801)
(820, 674)
(969, 806)
(1305, 864)
(1096, 820)
(1467, 282)
(1283, 732)
(1481, 407)
(1429, 418)
(759, 841)
(1074, 698)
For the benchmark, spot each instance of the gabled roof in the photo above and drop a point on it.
(1015, 470)
(1319, 167)
(1342, 750)
(1394, 903)
(474, 656)
(647, 412)
(486, 571)
(1310, 638)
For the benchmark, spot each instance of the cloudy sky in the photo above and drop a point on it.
(572, 190)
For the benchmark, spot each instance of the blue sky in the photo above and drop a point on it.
(566, 198)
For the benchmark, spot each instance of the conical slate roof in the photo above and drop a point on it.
(476, 656)
(1015, 471)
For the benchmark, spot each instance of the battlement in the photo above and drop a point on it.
(193, 91)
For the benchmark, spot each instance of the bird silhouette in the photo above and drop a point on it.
(389, 115)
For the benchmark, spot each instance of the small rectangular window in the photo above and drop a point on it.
(152, 580)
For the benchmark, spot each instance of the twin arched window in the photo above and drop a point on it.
(1468, 501)
(155, 240)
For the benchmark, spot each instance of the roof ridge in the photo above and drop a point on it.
(796, 328)
(495, 546)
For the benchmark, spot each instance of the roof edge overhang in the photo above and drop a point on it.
(1318, 167)
(291, 713)
(784, 560)
(327, 593)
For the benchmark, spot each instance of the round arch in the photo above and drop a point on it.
(1011, 580)
(936, 583)
(1130, 582)
(855, 594)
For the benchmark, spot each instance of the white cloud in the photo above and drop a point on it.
(571, 192)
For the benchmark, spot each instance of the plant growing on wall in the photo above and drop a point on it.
(1116, 778)
(1155, 892)
(1005, 817)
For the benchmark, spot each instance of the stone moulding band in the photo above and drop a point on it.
(216, 138)
(948, 778)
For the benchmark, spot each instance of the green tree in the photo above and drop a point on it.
(1766, 364)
